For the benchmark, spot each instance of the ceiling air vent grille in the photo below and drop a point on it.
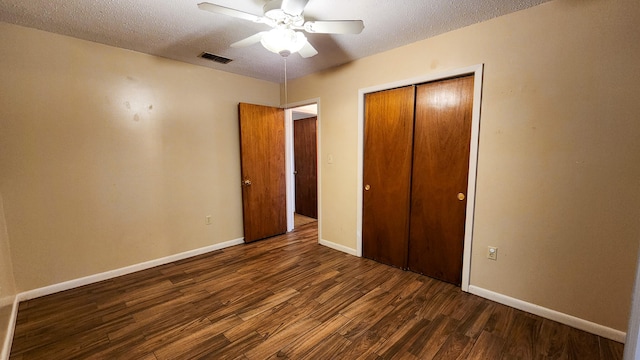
(216, 58)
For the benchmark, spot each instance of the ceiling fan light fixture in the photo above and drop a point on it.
(283, 41)
(286, 17)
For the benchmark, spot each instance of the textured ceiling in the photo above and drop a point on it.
(177, 29)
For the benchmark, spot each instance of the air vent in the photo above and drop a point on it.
(216, 58)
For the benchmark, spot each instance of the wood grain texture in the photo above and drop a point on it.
(287, 298)
(299, 220)
(442, 138)
(262, 158)
(388, 142)
(305, 150)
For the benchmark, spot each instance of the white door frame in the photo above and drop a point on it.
(477, 71)
(289, 167)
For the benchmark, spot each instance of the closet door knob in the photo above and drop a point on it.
(367, 187)
(460, 196)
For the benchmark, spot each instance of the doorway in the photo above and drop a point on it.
(416, 162)
(302, 165)
(474, 71)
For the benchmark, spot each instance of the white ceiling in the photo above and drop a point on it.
(178, 30)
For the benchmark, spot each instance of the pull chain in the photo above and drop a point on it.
(286, 100)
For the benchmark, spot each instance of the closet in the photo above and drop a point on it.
(416, 163)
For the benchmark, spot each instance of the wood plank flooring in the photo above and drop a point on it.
(287, 298)
(299, 220)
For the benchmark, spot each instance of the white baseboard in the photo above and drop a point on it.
(566, 319)
(67, 285)
(51, 289)
(588, 326)
(11, 326)
(338, 247)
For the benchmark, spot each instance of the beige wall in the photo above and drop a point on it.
(110, 158)
(559, 158)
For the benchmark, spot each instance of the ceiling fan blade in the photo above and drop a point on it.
(293, 7)
(253, 39)
(334, 26)
(308, 51)
(228, 11)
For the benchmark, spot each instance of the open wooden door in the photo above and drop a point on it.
(262, 157)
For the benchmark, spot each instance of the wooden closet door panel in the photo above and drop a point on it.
(306, 164)
(388, 133)
(440, 171)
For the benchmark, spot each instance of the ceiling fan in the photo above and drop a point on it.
(286, 18)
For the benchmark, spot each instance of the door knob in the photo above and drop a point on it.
(367, 187)
(460, 196)
(246, 182)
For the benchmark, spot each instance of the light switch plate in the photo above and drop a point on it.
(492, 253)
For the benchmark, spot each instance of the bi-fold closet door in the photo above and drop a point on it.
(416, 163)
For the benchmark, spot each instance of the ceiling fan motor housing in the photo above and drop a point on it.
(273, 9)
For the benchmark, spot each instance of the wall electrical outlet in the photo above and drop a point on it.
(207, 220)
(492, 253)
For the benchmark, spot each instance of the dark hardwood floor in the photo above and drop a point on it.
(287, 298)
(299, 220)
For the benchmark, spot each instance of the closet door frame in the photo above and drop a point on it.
(477, 72)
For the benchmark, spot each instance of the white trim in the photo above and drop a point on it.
(11, 326)
(477, 71)
(631, 349)
(319, 164)
(360, 170)
(334, 246)
(67, 285)
(289, 168)
(472, 177)
(588, 326)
